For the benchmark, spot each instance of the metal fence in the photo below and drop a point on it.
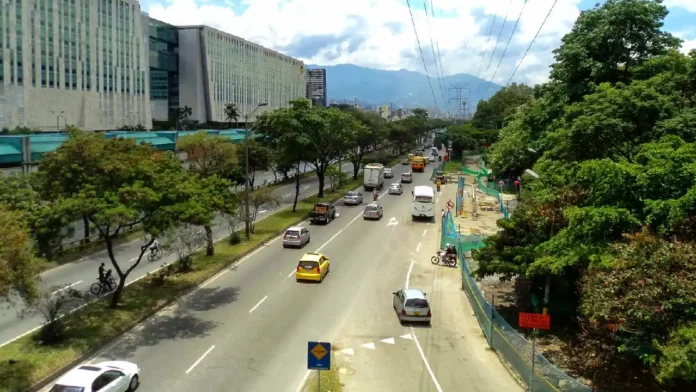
(537, 373)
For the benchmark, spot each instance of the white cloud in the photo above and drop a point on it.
(689, 5)
(687, 46)
(379, 33)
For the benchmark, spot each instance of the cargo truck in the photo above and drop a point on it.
(418, 164)
(373, 176)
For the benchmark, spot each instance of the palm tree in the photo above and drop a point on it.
(231, 112)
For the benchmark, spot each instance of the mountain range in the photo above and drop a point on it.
(402, 88)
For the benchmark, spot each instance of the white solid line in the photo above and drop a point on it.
(200, 359)
(292, 273)
(304, 381)
(425, 361)
(418, 247)
(258, 304)
(66, 287)
(408, 275)
(424, 232)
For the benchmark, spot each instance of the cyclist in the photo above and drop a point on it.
(155, 246)
(103, 277)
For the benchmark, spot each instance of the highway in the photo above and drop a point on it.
(247, 328)
(81, 274)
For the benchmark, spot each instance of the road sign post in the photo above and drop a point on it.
(318, 358)
(534, 321)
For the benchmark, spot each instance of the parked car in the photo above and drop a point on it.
(322, 212)
(353, 198)
(388, 173)
(110, 376)
(312, 266)
(407, 178)
(296, 236)
(396, 189)
(412, 305)
(373, 211)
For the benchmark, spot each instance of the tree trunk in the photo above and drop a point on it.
(116, 296)
(297, 188)
(252, 179)
(321, 171)
(210, 245)
(85, 224)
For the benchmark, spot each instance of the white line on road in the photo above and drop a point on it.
(424, 232)
(339, 232)
(289, 194)
(408, 275)
(437, 200)
(200, 359)
(304, 381)
(258, 304)
(418, 247)
(425, 361)
(66, 287)
(306, 187)
(292, 273)
(263, 211)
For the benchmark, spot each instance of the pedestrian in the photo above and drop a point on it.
(438, 185)
(443, 214)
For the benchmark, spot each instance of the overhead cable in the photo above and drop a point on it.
(490, 82)
(420, 49)
(502, 27)
(438, 69)
(531, 43)
(439, 58)
(490, 33)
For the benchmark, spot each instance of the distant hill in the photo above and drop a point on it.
(400, 88)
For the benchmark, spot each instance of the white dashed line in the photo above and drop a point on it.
(292, 273)
(418, 247)
(306, 187)
(65, 288)
(289, 194)
(200, 359)
(408, 275)
(263, 211)
(258, 304)
(425, 232)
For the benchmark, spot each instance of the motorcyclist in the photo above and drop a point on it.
(375, 194)
(451, 253)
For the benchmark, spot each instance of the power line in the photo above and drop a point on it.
(439, 58)
(502, 27)
(485, 53)
(531, 43)
(432, 46)
(420, 49)
(490, 82)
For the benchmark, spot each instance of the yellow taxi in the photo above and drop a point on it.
(312, 266)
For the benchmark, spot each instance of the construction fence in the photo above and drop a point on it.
(536, 372)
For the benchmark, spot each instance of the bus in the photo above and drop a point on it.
(423, 204)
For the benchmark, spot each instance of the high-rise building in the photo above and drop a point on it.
(164, 68)
(220, 68)
(78, 62)
(316, 86)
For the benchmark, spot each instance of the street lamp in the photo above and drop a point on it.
(246, 169)
(58, 116)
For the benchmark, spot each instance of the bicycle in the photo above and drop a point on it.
(98, 288)
(155, 254)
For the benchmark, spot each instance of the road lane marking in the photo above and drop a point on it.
(408, 275)
(66, 287)
(407, 337)
(388, 341)
(258, 304)
(339, 232)
(300, 387)
(306, 187)
(263, 211)
(292, 273)
(425, 361)
(418, 247)
(348, 351)
(370, 345)
(200, 359)
(289, 194)
(425, 232)
(437, 200)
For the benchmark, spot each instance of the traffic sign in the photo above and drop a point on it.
(450, 204)
(318, 356)
(501, 183)
(535, 321)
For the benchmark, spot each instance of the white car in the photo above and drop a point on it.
(396, 189)
(110, 376)
(388, 173)
(412, 305)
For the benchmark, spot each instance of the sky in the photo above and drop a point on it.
(380, 34)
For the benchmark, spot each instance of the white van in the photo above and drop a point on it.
(423, 203)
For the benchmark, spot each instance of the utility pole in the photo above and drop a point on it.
(459, 100)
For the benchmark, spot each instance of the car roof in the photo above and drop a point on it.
(81, 376)
(414, 294)
(295, 228)
(395, 184)
(373, 204)
(406, 174)
(311, 257)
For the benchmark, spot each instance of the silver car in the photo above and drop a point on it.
(353, 198)
(296, 236)
(373, 211)
(396, 188)
(412, 305)
(388, 173)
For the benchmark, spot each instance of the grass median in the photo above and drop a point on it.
(26, 362)
(330, 380)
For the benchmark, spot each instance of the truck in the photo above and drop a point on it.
(322, 212)
(418, 164)
(373, 176)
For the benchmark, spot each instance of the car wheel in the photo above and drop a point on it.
(134, 383)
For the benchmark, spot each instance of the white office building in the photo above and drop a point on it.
(219, 68)
(75, 62)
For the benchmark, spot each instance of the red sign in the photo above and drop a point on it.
(450, 204)
(501, 183)
(535, 321)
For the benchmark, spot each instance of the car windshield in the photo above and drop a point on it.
(424, 199)
(292, 232)
(405, 175)
(419, 303)
(352, 194)
(395, 185)
(66, 388)
(371, 208)
(306, 264)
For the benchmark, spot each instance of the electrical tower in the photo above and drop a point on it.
(458, 111)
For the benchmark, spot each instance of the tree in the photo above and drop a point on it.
(258, 199)
(329, 139)
(367, 134)
(336, 177)
(183, 241)
(209, 155)
(181, 116)
(116, 183)
(494, 112)
(231, 113)
(19, 268)
(259, 158)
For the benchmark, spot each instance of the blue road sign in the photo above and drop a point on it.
(318, 356)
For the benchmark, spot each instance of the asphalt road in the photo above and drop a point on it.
(15, 320)
(247, 328)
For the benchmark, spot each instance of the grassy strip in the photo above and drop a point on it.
(450, 166)
(330, 380)
(95, 325)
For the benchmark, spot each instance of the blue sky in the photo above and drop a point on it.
(379, 33)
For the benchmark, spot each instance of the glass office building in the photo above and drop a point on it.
(78, 62)
(164, 68)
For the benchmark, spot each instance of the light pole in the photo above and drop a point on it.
(246, 169)
(58, 116)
